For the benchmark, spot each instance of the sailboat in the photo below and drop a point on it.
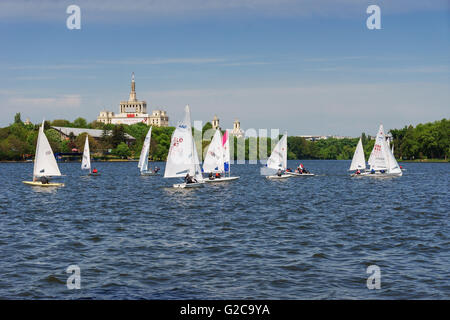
(358, 160)
(183, 158)
(218, 158)
(381, 161)
(44, 163)
(143, 159)
(278, 159)
(86, 161)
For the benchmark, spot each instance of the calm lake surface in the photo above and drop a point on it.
(301, 238)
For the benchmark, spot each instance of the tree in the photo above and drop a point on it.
(122, 150)
(17, 119)
(117, 136)
(80, 123)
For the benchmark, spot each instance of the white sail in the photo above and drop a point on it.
(44, 162)
(393, 164)
(214, 160)
(86, 161)
(379, 157)
(143, 159)
(183, 157)
(278, 158)
(358, 161)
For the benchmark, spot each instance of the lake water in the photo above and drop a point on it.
(299, 238)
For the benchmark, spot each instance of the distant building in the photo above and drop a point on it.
(134, 111)
(237, 131)
(215, 123)
(64, 133)
(318, 137)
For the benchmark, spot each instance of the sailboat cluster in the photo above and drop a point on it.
(183, 161)
(382, 162)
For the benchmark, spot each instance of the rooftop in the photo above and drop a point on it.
(95, 133)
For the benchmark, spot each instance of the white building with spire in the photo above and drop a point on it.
(134, 111)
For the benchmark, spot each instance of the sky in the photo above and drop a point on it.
(305, 66)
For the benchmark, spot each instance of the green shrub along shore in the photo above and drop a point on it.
(425, 142)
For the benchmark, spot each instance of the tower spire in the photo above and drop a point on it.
(133, 88)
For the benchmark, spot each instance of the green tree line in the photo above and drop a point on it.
(18, 142)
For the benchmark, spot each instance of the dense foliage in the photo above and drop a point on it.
(18, 142)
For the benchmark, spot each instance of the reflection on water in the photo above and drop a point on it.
(137, 237)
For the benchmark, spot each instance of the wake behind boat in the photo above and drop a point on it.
(45, 165)
(182, 161)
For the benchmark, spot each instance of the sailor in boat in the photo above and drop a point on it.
(189, 179)
(288, 170)
(44, 180)
(372, 171)
(279, 172)
(218, 175)
(358, 171)
(156, 170)
(210, 176)
(94, 171)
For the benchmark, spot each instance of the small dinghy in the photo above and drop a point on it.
(182, 160)
(278, 160)
(358, 160)
(44, 163)
(217, 158)
(382, 162)
(86, 161)
(143, 159)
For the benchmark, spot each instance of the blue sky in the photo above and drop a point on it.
(308, 67)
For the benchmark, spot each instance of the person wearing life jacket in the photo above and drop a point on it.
(44, 180)
(188, 179)
(95, 170)
(372, 171)
(279, 172)
(217, 175)
(358, 171)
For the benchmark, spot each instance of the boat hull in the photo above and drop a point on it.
(149, 173)
(377, 175)
(188, 185)
(294, 174)
(276, 177)
(223, 179)
(40, 184)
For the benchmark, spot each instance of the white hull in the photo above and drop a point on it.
(295, 174)
(377, 175)
(222, 179)
(188, 185)
(275, 177)
(149, 173)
